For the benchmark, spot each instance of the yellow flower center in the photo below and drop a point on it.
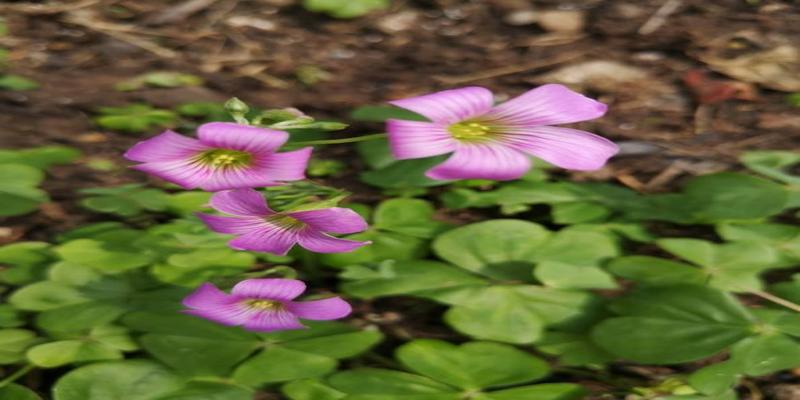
(264, 304)
(469, 130)
(284, 221)
(224, 158)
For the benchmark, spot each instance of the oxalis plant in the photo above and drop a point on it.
(231, 296)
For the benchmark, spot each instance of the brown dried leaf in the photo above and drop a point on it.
(771, 61)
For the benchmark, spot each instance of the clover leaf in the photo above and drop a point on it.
(40, 157)
(197, 347)
(773, 164)
(125, 200)
(345, 8)
(399, 232)
(13, 391)
(730, 266)
(13, 343)
(443, 371)
(675, 324)
(100, 343)
(135, 118)
(19, 192)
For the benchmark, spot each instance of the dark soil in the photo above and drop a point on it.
(672, 107)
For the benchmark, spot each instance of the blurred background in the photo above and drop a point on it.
(690, 83)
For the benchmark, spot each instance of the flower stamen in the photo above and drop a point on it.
(284, 221)
(469, 130)
(224, 158)
(264, 304)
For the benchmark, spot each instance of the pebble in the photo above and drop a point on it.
(562, 20)
(399, 22)
(520, 18)
(251, 22)
(636, 148)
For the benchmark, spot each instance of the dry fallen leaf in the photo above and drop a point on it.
(708, 90)
(603, 75)
(772, 61)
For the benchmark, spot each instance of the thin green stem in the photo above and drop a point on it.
(340, 141)
(777, 300)
(16, 375)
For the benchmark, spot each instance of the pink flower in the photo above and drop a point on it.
(495, 142)
(261, 229)
(262, 305)
(226, 156)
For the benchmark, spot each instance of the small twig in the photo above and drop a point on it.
(513, 69)
(118, 32)
(667, 175)
(41, 9)
(631, 182)
(660, 17)
(755, 392)
(340, 141)
(179, 12)
(777, 300)
(703, 116)
(16, 375)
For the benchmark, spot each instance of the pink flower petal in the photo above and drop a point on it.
(207, 296)
(244, 202)
(185, 173)
(547, 105)
(266, 239)
(286, 166)
(213, 304)
(482, 160)
(414, 139)
(229, 314)
(269, 289)
(271, 321)
(564, 147)
(450, 106)
(322, 243)
(238, 178)
(229, 135)
(325, 309)
(231, 225)
(168, 146)
(334, 220)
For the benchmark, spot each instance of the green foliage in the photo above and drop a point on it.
(400, 230)
(773, 164)
(389, 173)
(19, 192)
(442, 371)
(125, 200)
(40, 157)
(23, 171)
(13, 343)
(662, 324)
(345, 8)
(197, 348)
(160, 79)
(382, 113)
(585, 275)
(794, 99)
(135, 118)
(17, 83)
(705, 199)
(17, 392)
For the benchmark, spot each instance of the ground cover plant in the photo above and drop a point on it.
(448, 242)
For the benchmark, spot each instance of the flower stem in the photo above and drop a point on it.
(777, 300)
(16, 375)
(339, 141)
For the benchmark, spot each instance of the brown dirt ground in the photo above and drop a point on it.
(660, 68)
